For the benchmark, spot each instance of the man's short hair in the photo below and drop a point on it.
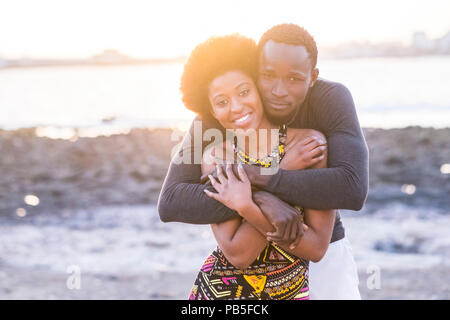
(210, 59)
(290, 33)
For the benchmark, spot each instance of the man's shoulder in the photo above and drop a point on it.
(330, 97)
(327, 102)
(324, 87)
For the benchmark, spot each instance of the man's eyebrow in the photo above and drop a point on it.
(298, 73)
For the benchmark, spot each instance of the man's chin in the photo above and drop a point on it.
(280, 116)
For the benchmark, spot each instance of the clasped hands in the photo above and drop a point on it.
(234, 192)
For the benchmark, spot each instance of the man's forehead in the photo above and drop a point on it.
(276, 52)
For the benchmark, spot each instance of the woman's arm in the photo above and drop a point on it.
(239, 240)
(182, 198)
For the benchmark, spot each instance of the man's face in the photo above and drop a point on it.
(285, 75)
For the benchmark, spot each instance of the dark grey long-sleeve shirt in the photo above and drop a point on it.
(328, 108)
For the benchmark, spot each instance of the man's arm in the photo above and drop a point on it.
(344, 184)
(182, 198)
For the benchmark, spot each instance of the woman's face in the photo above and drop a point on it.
(235, 101)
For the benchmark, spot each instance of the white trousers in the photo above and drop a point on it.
(335, 277)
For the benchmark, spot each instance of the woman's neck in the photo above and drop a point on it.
(258, 143)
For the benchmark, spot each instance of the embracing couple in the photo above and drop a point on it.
(291, 154)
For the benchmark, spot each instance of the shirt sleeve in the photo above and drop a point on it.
(182, 198)
(344, 183)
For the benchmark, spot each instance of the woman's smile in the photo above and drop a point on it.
(243, 120)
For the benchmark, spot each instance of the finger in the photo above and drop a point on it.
(315, 161)
(318, 151)
(293, 232)
(213, 195)
(220, 175)
(316, 140)
(230, 173)
(307, 140)
(314, 143)
(298, 236)
(215, 183)
(287, 233)
(278, 234)
(242, 174)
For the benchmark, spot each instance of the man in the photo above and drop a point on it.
(292, 94)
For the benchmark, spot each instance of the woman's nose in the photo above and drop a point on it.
(236, 106)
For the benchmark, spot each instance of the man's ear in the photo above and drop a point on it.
(314, 76)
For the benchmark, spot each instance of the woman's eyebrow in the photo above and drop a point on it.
(240, 84)
(217, 95)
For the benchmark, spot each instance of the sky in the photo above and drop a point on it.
(169, 28)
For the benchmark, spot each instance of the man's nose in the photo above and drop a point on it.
(279, 90)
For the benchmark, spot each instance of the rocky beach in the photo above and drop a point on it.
(91, 202)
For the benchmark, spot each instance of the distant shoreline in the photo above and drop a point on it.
(85, 63)
(39, 63)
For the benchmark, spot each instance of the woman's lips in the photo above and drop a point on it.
(242, 120)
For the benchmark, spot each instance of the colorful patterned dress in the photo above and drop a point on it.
(274, 275)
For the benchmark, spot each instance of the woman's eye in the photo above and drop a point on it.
(244, 92)
(222, 102)
(295, 79)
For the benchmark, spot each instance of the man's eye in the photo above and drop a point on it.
(267, 75)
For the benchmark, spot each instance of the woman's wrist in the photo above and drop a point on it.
(247, 208)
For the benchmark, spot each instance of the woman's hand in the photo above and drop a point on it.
(234, 193)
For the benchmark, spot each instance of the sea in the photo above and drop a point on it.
(388, 93)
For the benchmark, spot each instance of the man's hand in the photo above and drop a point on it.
(289, 227)
(304, 154)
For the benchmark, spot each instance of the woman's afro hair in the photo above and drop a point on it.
(210, 59)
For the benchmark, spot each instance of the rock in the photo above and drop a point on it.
(130, 168)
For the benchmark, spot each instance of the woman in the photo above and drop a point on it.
(218, 81)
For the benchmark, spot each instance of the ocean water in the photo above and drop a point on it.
(388, 92)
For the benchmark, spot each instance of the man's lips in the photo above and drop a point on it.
(278, 105)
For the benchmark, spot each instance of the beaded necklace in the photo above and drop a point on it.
(277, 153)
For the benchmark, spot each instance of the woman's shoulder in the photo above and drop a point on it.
(217, 152)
